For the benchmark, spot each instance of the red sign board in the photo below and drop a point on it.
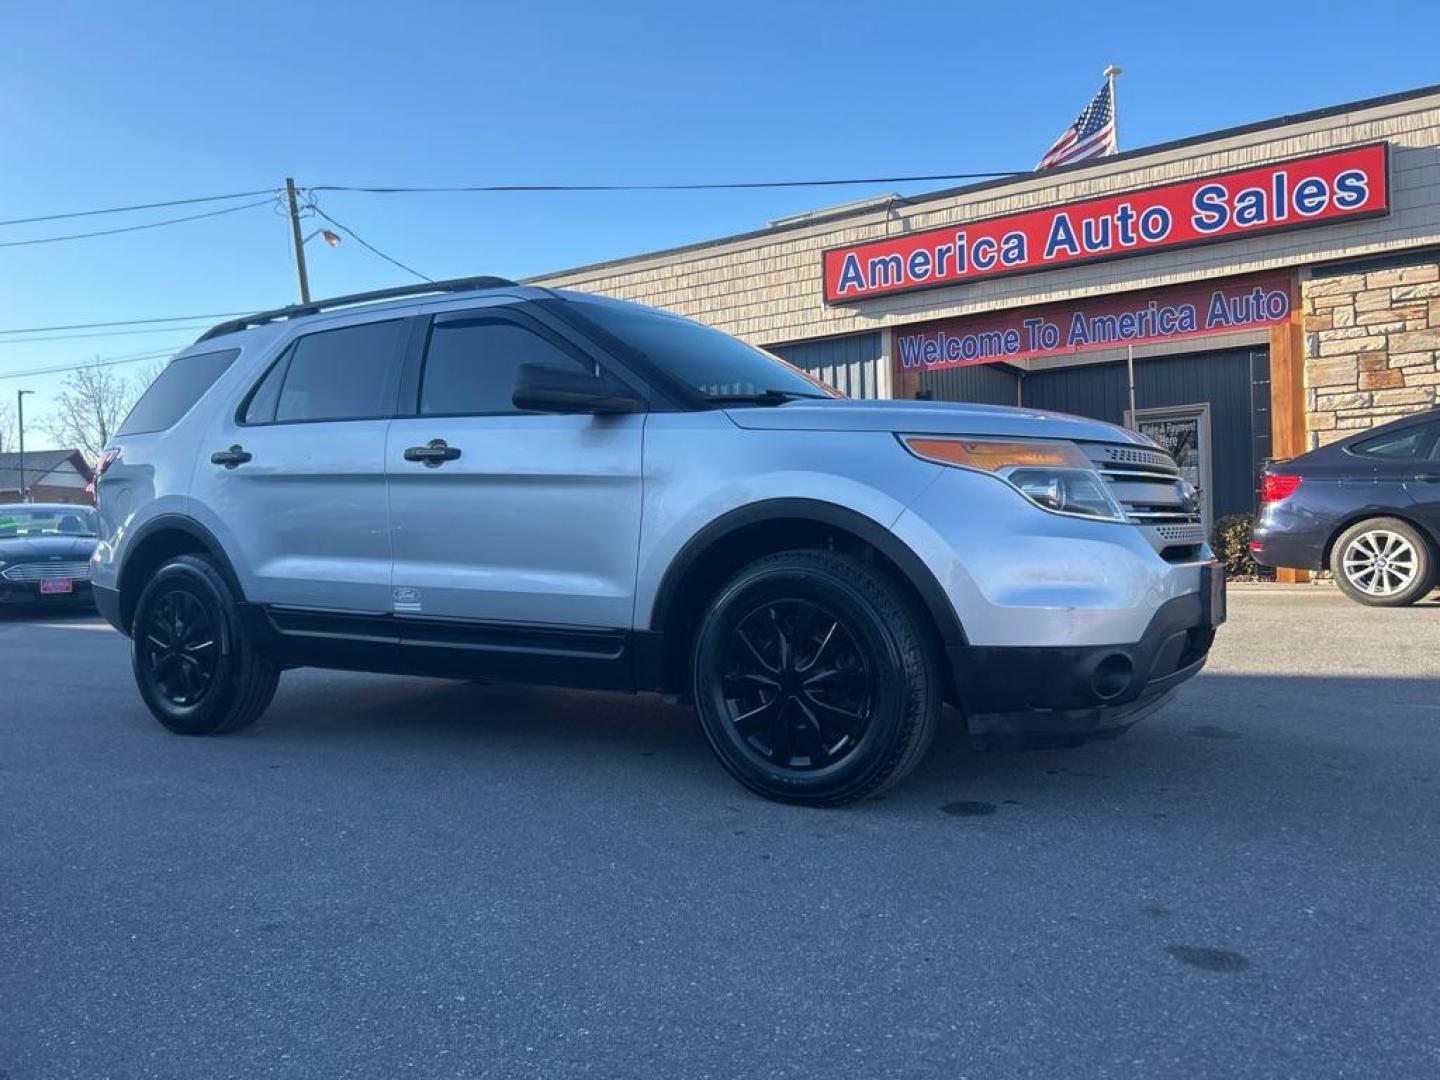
(1316, 190)
(1139, 318)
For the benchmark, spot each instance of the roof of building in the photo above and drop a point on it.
(847, 210)
(37, 464)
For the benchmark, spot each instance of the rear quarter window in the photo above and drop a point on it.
(1407, 444)
(175, 391)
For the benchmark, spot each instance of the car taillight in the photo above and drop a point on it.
(108, 458)
(1277, 486)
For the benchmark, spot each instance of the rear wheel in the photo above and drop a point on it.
(196, 669)
(814, 680)
(1383, 562)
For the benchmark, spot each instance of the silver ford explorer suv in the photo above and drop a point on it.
(482, 480)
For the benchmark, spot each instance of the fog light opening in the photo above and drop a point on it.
(1112, 676)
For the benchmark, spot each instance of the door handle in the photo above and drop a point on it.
(236, 455)
(1427, 477)
(434, 453)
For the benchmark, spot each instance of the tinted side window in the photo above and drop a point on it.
(342, 374)
(470, 367)
(260, 409)
(1403, 445)
(175, 390)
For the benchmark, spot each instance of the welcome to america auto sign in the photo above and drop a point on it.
(1316, 190)
(1142, 318)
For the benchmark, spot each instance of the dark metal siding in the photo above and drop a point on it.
(1236, 383)
(984, 384)
(850, 364)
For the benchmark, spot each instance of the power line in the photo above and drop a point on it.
(107, 333)
(137, 206)
(440, 189)
(741, 185)
(112, 361)
(134, 228)
(124, 322)
(351, 233)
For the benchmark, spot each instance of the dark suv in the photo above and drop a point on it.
(1368, 507)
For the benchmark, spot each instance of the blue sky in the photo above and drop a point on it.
(107, 104)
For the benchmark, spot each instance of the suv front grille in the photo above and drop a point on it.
(1131, 455)
(76, 571)
(1149, 487)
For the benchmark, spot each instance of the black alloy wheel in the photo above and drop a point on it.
(797, 687)
(815, 679)
(179, 647)
(194, 665)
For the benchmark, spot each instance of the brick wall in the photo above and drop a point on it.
(50, 493)
(1372, 346)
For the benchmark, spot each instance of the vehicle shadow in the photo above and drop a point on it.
(1232, 740)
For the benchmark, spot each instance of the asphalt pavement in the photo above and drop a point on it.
(391, 877)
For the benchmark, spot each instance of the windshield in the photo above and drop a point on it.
(710, 363)
(58, 521)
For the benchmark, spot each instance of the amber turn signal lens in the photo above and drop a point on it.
(993, 454)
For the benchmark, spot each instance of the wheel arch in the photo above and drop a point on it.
(163, 538)
(750, 532)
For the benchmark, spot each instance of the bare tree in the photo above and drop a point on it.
(7, 428)
(89, 409)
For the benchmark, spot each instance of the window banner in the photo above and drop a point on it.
(1105, 322)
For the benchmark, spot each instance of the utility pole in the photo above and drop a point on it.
(299, 243)
(20, 410)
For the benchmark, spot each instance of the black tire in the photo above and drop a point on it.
(815, 735)
(196, 669)
(1383, 562)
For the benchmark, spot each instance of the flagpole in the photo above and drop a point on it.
(1110, 73)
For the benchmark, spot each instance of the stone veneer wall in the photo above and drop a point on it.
(1372, 347)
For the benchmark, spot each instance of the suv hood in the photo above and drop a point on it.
(929, 418)
(22, 548)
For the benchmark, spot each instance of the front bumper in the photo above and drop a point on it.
(1027, 697)
(28, 592)
(1018, 576)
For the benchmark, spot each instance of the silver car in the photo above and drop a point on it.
(483, 480)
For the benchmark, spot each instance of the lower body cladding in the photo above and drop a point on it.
(1019, 697)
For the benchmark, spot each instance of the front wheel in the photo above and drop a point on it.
(814, 679)
(195, 667)
(1383, 562)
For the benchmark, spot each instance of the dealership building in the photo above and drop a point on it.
(1271, 288)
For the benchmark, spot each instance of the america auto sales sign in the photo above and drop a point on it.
(1320, 189)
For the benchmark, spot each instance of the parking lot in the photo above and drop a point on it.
(389, 877)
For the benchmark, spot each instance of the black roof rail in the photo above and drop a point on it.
(295, 311)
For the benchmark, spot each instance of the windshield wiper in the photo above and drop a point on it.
(764, 397)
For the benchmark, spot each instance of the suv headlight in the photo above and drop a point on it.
(1055, 476)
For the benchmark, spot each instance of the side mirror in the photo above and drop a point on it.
(539, 388)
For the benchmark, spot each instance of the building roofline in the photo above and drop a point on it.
(840, 213)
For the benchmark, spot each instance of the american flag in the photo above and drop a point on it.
(1092, 135)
